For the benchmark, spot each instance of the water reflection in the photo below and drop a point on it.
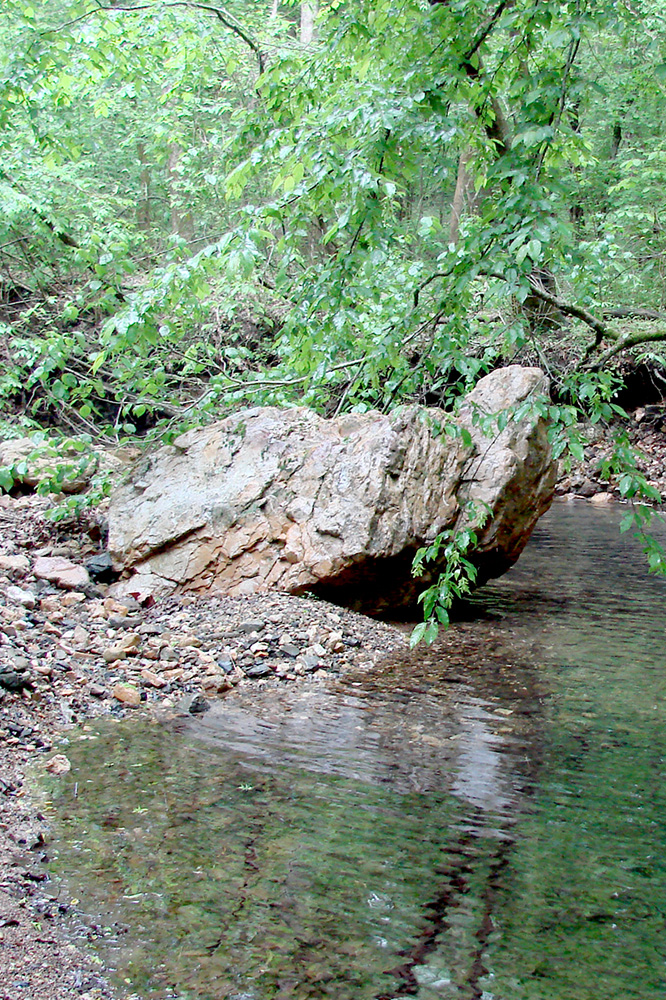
(484, 820)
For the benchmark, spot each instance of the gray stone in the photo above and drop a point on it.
(310, 661)
(13, 680)
(194, 704)
(100, 568)
(168, 654)
(259, 670)
(286, 500)
(252, 626)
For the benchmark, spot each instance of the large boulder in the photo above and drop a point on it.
(284, 499)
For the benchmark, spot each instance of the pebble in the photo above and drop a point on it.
(169, 654)
(260, 670)
(602, 498)
(15, 564)
(127, 694)
(153, 679)
(114, 653)
(252, 626)
(194, 704)
(20, 596)
(75, 597)
(13, 680)
(309, 661)
(58, 765)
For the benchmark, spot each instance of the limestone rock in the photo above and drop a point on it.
(59, 764)
(286, 500)
(14, 564)
(20, 596)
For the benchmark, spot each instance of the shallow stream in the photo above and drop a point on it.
(484, 820)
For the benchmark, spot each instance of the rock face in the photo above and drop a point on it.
(286, 500)
(30, 463)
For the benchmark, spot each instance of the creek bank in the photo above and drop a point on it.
(37, 960)
(645, 430)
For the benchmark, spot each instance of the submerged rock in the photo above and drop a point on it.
(287, 500)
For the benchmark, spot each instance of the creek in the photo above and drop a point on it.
(486, 819)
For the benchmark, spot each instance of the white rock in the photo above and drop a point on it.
(20, 596)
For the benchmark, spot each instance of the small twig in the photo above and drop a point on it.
(424, 284)
(21, 239)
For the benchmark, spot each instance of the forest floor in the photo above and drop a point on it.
(68, 656)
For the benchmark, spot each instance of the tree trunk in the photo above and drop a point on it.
(143, 219)
(308, 14)
(465, 196)
(616, 140)
(181, 222)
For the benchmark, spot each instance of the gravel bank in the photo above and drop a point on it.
(68, 655)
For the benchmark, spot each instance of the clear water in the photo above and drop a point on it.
(485, 820)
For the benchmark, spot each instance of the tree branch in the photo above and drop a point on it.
(487, 29)
(220, 13)
(424, 284)
(628, 312)
(623, 344)
(620, 342)
(602, 330)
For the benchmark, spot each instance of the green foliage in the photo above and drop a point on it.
(171, 170)
(454, 581)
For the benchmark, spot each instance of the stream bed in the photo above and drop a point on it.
(485, 819)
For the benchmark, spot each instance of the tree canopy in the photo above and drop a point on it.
(206, 205)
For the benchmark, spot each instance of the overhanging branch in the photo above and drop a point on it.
(223, 16)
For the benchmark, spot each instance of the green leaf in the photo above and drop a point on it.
(417, 634)
(431, 632)
(6, 479)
